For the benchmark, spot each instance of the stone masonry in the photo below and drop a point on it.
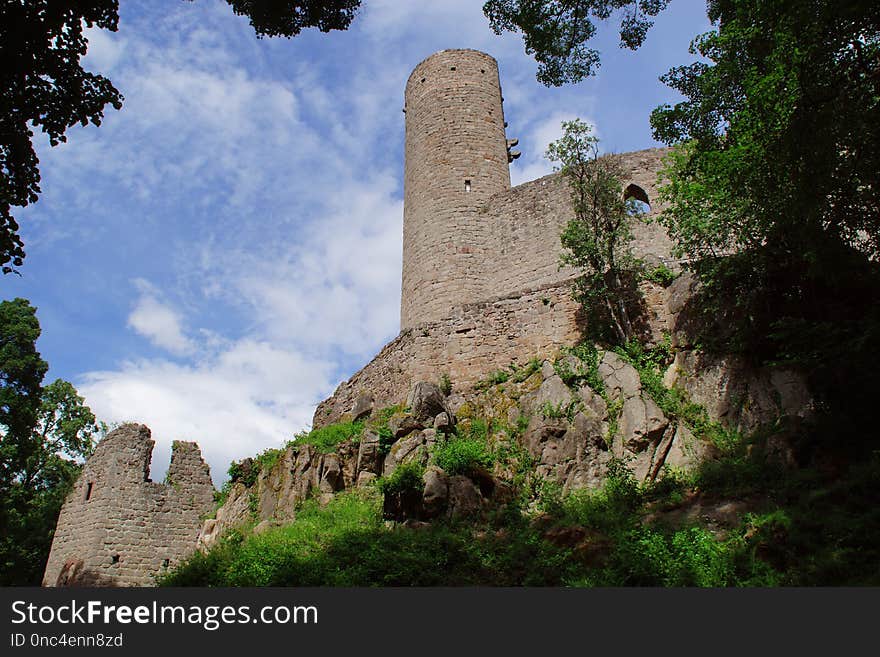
(482, 286)
(119, 528)
(456, 159)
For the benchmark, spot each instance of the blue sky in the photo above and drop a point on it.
(218, 255)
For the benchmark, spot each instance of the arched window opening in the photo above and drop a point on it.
(637, 202)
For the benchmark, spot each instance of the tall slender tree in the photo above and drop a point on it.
(597, 239)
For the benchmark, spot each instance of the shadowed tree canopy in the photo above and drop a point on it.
(557, 32)
(287, 19)
(781, 122)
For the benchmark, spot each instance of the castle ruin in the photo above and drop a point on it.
(481, 286)
(119, 528)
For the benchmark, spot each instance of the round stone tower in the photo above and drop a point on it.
(456, 158)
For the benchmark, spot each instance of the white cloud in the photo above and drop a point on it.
(157, 321)
(250, 396)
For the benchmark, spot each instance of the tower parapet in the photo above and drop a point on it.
(457, 156)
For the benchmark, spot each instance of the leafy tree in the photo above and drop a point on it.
(289, 17)
(44, 433)
(21, 373)
(781, 128)
(597, 239)
(557, 31)
(45, 86)
(774, 192)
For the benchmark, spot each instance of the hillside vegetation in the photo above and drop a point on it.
(745, 516)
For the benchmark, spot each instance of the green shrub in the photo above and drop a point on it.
(379, 423)
(611, 507)
(650, 365)
(560, 410)
(445, 384)
(346, 543)
(520, 374)
(327, 438)
(660, 275)
(463, 456)
(406, 477)
(495, 378)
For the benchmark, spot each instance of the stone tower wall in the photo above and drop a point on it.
(471, 342)
(456, 159)
(118, 528)
(523, 226)
(527, 309)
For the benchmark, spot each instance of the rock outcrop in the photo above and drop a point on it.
(571, 417)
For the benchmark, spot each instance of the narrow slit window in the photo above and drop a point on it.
(89, 487)
(467, 185)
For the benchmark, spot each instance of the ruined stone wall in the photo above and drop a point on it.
(118, 528)
(473, 341)
(523, 226)
(456, 159)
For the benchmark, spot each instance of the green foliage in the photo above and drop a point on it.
(515, 373)
(659, 275)
(611, 507)
(562, 410)
(327, 438)
(586, 373)
(267, 459)
(405, 478)
(347, 544)
(44, 86)
(463, 455)
(21, 373)
(45, 433)
(777, 151)
(802, 528)
(597, 240)
(243, 471)
(445, 384)
(520, 374)
(770, 74)
(615, 408)
(495, 378)
(557, 32)
(640, 554)
(378, 422)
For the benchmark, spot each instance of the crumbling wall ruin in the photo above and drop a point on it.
(119, 528)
